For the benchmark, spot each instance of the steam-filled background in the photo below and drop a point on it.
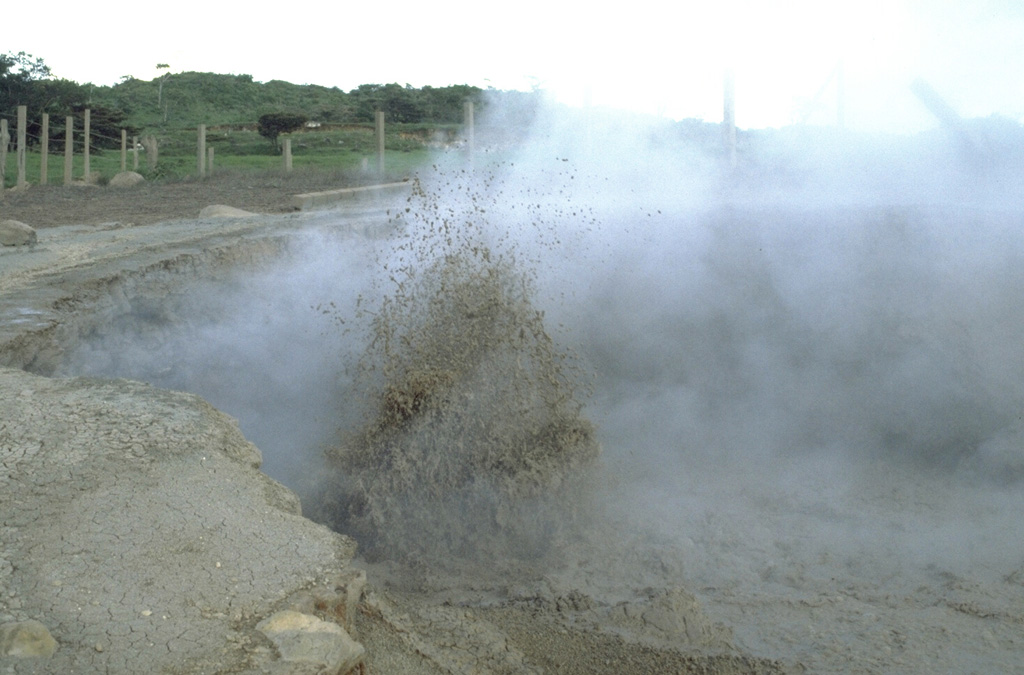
(642, 56)
(805, 367)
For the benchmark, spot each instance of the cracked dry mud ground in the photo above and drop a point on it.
(153, 202)
(138, 529)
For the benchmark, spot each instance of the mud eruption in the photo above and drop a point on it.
(473, 442)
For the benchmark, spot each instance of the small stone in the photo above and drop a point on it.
(99, 647)
(147, 612)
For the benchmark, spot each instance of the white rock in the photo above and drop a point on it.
(305, 638)
(16, 233)
(126, 179)
(26, 640)
(222, 211)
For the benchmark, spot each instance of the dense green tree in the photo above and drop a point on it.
(105, 125)
(27, 80)
(401, 104)
(408, 105)
(273, 125)
(445, 105)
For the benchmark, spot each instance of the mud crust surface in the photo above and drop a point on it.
(137, 528)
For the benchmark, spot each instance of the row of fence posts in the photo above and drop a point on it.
(204, 155)
(69, 135)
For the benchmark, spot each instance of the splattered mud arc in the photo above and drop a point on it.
(473, 442)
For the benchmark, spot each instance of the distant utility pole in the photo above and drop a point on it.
(5, 140)
(160, 85)
(838, 74)
(22, 130)
(729, 117)
(378, 118)
(469, 131)
(948, 117)
(160, 104)
(840, 95)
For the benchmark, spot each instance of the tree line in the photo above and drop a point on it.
(26, 80)
(178, 100)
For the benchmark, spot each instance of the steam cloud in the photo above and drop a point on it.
(776, 349)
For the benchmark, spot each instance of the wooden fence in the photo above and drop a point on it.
(204, 155)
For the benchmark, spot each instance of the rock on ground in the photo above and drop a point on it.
(303, 638)
(126, 179)
(26, 640)
(16, 233)
(222, 211)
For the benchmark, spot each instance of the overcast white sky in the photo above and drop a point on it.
(659, 57)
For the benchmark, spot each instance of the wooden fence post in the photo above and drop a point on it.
(85, 144)
(149, 143)
(201, 152)
(209, 163)
(5, 140)
(44, 151)
(124, 150)
(22, 123)
(135, 153)
(69, 135)
(379, 130)
(729, 118)
(288, 154)
(467, 125)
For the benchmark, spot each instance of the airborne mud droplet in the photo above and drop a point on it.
(473, 441)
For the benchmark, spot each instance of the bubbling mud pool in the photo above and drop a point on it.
(810, 418)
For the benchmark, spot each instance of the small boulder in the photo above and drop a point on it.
(26, 640)
(16, 233)
(303, 638)
(126, 179)
(222, 211)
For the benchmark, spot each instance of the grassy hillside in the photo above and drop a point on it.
(190, 98)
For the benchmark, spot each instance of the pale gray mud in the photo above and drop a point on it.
(138, 531)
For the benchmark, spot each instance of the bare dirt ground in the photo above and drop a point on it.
(153, 202)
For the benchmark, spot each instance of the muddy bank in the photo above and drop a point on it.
(138, 530)
(79, 277)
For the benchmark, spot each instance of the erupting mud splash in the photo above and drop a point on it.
(474, 442)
